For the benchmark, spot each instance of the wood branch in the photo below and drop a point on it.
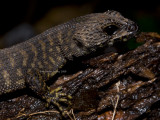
(114, 86)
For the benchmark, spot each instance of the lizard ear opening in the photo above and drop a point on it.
(111, 29)
(78, 43)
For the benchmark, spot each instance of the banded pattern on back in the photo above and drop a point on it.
(42, 53)
(50, 50)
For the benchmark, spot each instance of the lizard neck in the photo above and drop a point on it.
(66, 42)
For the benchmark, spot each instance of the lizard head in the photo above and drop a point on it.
(102, 29)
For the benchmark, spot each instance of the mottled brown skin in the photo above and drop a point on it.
(39, 58)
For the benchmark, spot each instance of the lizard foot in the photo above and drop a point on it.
(55, 96)
(36, 82)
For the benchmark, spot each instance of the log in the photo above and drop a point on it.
(112, 87)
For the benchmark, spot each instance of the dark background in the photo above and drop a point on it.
(40, 15)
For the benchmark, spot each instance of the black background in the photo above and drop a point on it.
(15, 12)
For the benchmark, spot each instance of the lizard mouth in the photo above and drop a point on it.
(120, 39)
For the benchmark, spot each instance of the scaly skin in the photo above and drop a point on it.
(39, 58)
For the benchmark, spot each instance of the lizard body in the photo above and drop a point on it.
(50, 50)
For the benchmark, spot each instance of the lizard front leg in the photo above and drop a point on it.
(36, 82)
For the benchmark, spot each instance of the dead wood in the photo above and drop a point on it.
(114, 86)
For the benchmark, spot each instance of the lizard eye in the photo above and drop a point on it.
(111, 29)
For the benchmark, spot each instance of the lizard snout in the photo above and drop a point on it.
(132, 27)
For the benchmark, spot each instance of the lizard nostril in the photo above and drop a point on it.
(132, 27)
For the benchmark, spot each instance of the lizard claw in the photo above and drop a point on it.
(55, 96)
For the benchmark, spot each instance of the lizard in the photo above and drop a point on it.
(32, 62)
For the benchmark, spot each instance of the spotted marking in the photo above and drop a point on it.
(59, 58)
(19, 72)
(50, 50)
(25, 57)
(6, 77)
(59, 36)
(50, 67)
(29, 70)
(53, 73)
(58, 49)
(32, 65)
(69, 33)
(8, 90)
(40, 64)
(52, 60)
(20, 82)
(12, 61)
(50, 40)
(34, 50)
(45, 62)
(72, 45)
(43, 47)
